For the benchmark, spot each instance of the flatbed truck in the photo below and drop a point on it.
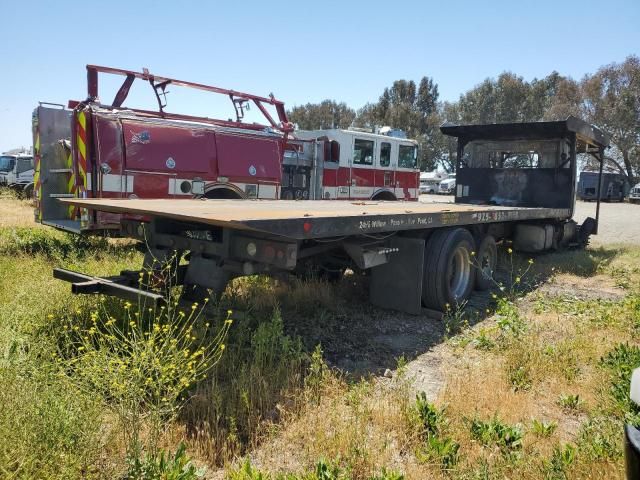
(515, 183)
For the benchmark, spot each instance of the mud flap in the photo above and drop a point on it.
(397, 284)
(206, 273)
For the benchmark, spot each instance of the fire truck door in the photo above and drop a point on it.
(385, 171)
(362, 168)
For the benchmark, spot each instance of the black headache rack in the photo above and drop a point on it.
(549, 182)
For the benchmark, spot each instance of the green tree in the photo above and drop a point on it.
(326, 114)
(411, 108)
(611, 100)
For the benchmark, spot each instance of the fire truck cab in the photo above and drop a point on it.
(359, 164)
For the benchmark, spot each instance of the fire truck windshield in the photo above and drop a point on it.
(407, 156)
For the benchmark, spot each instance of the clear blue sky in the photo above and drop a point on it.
(300, 51)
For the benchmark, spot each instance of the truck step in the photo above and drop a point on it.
(60, 170)
(62, 195)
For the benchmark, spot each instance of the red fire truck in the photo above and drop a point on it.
(94, 149)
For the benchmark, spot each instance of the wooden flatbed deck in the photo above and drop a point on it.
(307, 219)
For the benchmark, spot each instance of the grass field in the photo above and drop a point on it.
(531, 384)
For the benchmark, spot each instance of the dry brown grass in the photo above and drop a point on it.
(15, 213)
(366, 426)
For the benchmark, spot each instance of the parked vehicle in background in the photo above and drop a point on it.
(356, 164)
(634, 194)
(430, 181)
(100, 150)
(614, 186)
(448, 186)
(16, 172)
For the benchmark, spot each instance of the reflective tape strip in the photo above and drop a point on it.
(81, 144)
(117, 183)
(81, 167)
(82, 120)
(267, 191)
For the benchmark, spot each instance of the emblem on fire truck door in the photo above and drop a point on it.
(170, 163)
(142, 137)
(252, 170)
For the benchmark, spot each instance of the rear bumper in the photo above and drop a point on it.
(632, 452)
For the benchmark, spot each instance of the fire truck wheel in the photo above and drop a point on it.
(27, 191)
(485, 262)
(448, 273)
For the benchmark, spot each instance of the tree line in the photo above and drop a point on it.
(608, 98)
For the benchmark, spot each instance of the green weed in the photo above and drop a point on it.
(163, 466)
(429, 419)
(561, 459)
(620, 362)
(599, 439)
(570, 402)
(542, 428)
(495, 432)
(443, 451)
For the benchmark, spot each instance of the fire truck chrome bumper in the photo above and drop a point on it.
(113, 286)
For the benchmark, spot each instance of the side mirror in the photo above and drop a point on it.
(635, 386)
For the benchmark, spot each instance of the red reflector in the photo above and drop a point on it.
(307, 227)
(269, 252)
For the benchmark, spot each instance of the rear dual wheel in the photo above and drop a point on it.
(451, 269)
(448, 271)
(485, 263)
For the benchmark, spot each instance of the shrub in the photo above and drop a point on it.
(519, 377)
(260, 373)
(495, 432)
(163, 466)
(510, 324)
(570, 402)
(620, 362)
(599, 439)
(542, 428)
(428, 417)
(561, 459)
(142, 365)
(443, 451)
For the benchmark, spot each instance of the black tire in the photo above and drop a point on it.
(27, 191)
(448, 272)
(485, 262)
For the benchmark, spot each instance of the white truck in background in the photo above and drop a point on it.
(634, 194)
(430, 181)
(448, 185)
(17, 172)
